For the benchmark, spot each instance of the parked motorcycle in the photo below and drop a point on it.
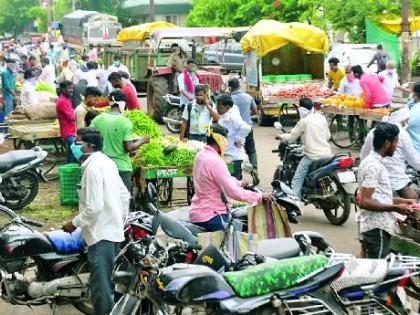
(173, 114)
(42, 268)
(19, 176)
(328, 185)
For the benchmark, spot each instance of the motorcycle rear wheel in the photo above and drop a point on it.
(173, 112)
(30, 190)
(345, 203)
(85, 306)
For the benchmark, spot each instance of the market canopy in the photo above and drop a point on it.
(187, 32)
(141, 32)
(394, 26)
(269, 35)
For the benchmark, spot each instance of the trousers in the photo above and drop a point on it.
(126, 178)
(300, 174)
(376, 243)
(250, 149)
(214, 224)
(69, 155)
(101, 258)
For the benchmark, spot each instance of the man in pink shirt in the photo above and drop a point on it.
(374, 93)
(66, 118)
(210, 176)
(116, 80)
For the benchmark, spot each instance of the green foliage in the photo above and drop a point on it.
(15, 15)
(40, 15)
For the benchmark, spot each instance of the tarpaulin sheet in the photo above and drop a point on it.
(394, 26)
(269, 35)
(141, 31)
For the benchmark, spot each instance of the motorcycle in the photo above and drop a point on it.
(19, 176)
(328, 185)
(42, 268)
(173, 113)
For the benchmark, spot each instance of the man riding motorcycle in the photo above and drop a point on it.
(313, 130)
(211, 175)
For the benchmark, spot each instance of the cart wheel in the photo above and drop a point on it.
(341, 133)
(190, 189)
(289, 116)
(164, 188)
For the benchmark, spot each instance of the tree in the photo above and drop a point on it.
(16, 15)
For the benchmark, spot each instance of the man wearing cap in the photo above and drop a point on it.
(405, 152)
(211, 175)
(247, 107)
(313, 130)
(9, 86)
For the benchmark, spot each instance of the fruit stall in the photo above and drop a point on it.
(284, 62)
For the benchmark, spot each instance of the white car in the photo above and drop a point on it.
(354, 54)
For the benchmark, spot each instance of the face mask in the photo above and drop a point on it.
(303, 112)
(193, 69)
(12, 66)
(391, 71)
(117, 63)
(76, 149)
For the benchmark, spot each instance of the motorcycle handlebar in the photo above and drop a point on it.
(194, 247)
(31, 222)
(275, 151)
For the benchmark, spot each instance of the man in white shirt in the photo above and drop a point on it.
(349, 84)
(91, 75)
(238, 129)
(48, 73)
(405, 152)
(117, 66)
(313, 130)
(390, 78)
(103, 206)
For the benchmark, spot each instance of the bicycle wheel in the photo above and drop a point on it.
(289, 116)
(342, 135)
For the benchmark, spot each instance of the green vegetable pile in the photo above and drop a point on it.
(143, 125)
(180, 157)
(41, 86)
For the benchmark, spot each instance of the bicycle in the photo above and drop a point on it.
(347, 131)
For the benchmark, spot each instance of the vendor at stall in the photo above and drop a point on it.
(197, 116)
(349, 85)
(117, 131)
(211, 175)
(29, 96)
(374, 93)
(90, 94)
(335, 74)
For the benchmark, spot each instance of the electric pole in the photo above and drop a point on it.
(405, 33)
(152, 11)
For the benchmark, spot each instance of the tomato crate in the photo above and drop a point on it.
(70, 175)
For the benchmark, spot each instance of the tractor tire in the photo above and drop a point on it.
(157, 86)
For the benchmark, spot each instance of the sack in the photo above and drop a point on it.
(41, 111)
(268, 220)
(236, 246)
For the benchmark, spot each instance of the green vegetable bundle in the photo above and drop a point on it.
(150, 154)
(180, 157)
(41, 86)
(143, 125)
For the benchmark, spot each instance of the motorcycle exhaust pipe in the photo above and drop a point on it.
(171, 121)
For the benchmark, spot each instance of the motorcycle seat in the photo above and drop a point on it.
(240, 212)
(14, 158)
(278, 248)
(322, 162)
(174, 99)
(274, 276)
(359, 272)
(66, 243)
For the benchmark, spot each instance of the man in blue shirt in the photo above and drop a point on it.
(414, 120)
(247, 107)
(9, 86)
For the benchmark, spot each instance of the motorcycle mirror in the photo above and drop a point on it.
(278, 125)
(223, 196)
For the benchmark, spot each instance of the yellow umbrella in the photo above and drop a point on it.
(394, 26)
(141, 32)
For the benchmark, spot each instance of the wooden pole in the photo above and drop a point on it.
(405, 67)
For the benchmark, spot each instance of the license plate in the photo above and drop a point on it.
(347, 177)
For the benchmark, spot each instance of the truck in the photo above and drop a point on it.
(82, 28)
(284, 62)
(146, 55)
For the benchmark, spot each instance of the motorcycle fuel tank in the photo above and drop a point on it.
(17, 241)
(182, 283)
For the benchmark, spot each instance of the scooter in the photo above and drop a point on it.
(173, 113)
(19, 176)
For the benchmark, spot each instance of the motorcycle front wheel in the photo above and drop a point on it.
(25, 191)
(131, 305)
(85, 306)
(174, 113)
(338, 212)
